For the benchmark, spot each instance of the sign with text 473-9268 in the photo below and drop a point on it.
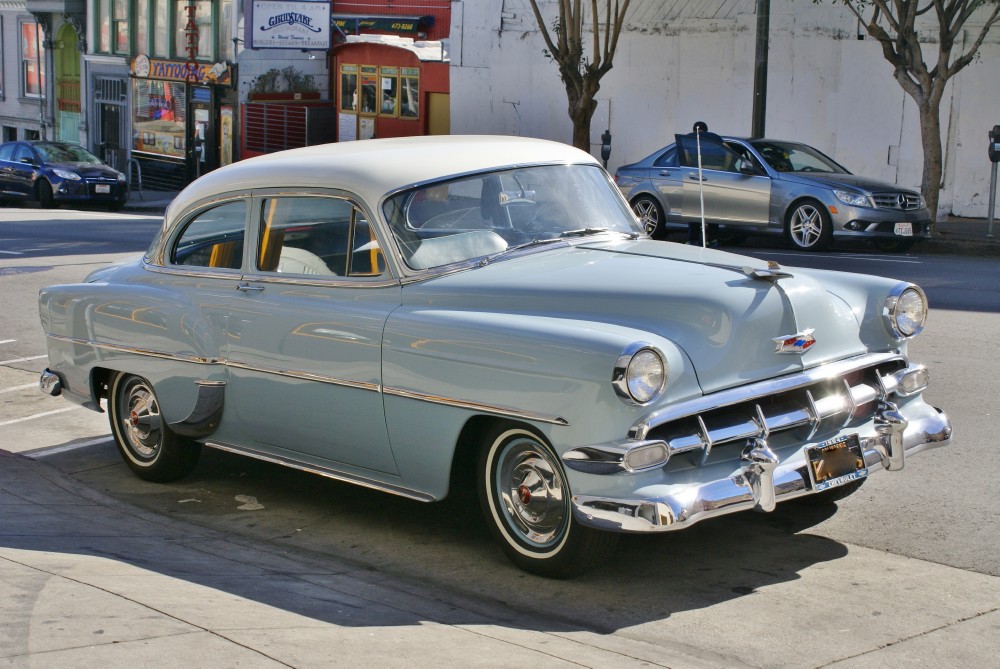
(290, 25)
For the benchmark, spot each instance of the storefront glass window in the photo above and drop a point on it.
(32, 55)
(389, 90)
(369, 88)
(158, 117)
(349, 88)
(202, 23)
(409, 92)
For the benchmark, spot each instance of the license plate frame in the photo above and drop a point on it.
(836, 462)
(903, 229)
(102, 189)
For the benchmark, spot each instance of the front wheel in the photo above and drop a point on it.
(148, 445)
(808, 226)
(44, 194)
(525, 497)
(650, 215)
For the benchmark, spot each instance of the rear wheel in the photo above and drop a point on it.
(150, 449)
(525, 497)
(650, 215)
(43, 192)
(808, 226)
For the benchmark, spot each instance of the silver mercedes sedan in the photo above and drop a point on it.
(767, 185)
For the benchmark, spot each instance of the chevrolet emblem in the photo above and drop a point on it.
(795, 343)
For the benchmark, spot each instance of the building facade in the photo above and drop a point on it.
(679, 62)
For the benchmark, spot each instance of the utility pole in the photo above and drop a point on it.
(760, 69)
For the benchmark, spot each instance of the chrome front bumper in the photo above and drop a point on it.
(761, 481)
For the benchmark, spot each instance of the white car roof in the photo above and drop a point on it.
(372, 168)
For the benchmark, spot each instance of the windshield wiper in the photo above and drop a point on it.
(586, 232)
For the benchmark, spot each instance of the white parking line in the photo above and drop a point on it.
(40, 415)
(28, 359)
(7, 341)
(55, 450)
(12, 253)
(16, 388)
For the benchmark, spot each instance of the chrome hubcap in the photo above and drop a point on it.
(141, 420)
(532, 493)
(806, 226)
(648, 217)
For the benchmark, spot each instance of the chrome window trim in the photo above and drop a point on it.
(203, 273)
(331, 281)
(172, 227)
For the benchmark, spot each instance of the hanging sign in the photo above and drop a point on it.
(290, 25)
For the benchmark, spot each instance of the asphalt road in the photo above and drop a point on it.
(907, 568)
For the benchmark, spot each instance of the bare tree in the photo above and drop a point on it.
(582, 75)
(894, 24)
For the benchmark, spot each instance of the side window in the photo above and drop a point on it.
(666, 159)
(714, 156)
(213, 238)
(317, 236)
(24, 154)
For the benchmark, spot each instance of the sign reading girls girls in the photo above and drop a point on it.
(276, 24)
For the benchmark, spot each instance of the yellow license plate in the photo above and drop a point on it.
(836, 462)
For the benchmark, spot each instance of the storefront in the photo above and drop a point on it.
(390, 87)
(183, 120)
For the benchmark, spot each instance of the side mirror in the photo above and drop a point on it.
(746, 167)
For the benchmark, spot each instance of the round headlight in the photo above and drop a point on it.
(906, 311)
(640, 374)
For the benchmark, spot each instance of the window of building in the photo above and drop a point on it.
(384, 91)
(161, 28)
(194, 29)
(9, 133)
(32, 60)
(120, 26)
(1, 61)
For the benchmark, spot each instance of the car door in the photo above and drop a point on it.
(306, 335)
(23, 171)
(667, 178)
(730, 195)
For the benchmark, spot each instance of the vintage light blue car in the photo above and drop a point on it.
(419, 315)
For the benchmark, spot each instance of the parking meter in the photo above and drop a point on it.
(994, 152)
(994, 149)
(606, 146)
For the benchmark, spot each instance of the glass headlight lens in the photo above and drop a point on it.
(66, 174)
(640, 374)
(853, 199)
(906, 312)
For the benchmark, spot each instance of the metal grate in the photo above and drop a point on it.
(110, 90)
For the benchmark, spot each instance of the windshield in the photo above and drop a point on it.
(471, 217)
(66, 153)
(788, 157)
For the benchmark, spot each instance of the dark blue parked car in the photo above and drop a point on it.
(53, 173)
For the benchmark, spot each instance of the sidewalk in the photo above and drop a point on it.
(955, 236)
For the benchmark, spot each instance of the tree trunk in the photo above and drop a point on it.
(581, 111)
(930, 139)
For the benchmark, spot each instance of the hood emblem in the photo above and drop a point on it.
(799, 342)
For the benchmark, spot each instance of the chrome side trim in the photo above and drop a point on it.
(198, 360)
(207, 412)
(326, 472)
(508, 412)
(327, 282)
(306, 376)
(234, 275)
(476, 406)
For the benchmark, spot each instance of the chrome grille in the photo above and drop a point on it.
(814, 402)
(897, 200)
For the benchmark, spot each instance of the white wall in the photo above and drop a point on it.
(825, 87)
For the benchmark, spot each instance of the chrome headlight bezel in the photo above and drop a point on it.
(905, 311)
(640, 374)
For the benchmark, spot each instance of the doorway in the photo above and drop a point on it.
(202, 134)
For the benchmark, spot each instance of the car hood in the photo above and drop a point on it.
(706, 302)
(87, 169)
(829, 180)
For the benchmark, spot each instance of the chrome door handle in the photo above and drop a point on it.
(247, 288)
(694, 177)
